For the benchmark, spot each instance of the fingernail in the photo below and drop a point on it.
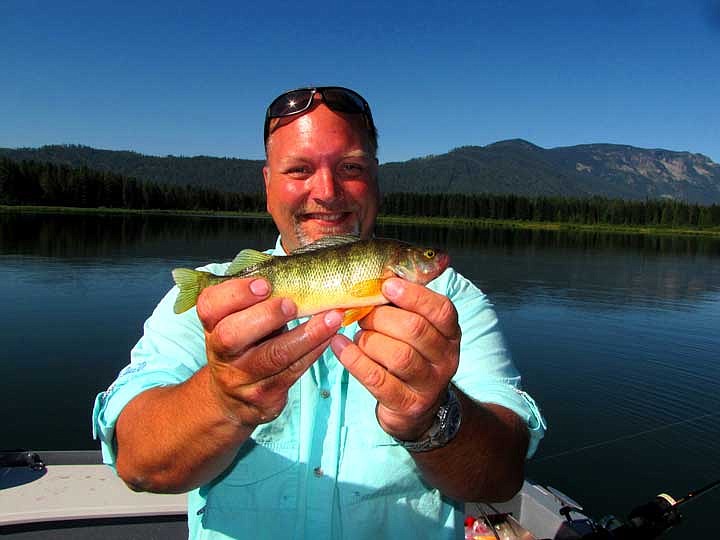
(393, 288)
(333, 319)
(338, 344)
(259, 287)
(288, 307)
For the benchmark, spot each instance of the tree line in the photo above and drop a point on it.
(38, 183)
(589, 211)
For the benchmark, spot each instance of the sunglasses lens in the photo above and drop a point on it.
(343, 100)
(290, 103)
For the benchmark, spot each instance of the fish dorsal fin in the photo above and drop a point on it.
(327, 242)
(245, 259)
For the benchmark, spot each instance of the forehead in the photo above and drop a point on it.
(321, 130)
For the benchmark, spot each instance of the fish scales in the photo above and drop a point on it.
(322, 280)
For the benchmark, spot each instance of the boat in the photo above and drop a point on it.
(73, 495)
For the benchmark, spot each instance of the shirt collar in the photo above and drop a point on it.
(278, 249)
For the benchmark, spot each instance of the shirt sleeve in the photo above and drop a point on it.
(170, 351)
(486, 371)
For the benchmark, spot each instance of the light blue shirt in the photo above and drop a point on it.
(323, 468)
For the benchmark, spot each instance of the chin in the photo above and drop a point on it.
(307, 235)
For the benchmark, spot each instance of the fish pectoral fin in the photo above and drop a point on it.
(245, 259)
(398, 270)
(355, 314)
(369, 287)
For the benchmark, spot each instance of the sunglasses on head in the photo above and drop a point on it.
(298, 101)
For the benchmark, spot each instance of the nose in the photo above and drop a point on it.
(323, 187)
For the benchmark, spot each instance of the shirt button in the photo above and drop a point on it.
(324, 394)
(317, 471)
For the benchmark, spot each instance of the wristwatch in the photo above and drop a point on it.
(446, 426)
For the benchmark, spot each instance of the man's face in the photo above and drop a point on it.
(321, 178)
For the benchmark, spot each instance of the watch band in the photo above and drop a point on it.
(444, 429)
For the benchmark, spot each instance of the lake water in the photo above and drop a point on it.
(617, 337)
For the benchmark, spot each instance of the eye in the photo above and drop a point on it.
(352, 168)
(429, 253)
(297, 171)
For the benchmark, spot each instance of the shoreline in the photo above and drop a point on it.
(399, 220)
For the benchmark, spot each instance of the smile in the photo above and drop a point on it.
(335, 217)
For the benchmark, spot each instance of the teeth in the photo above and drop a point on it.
(325, 217)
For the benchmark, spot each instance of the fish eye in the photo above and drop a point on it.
(429, 253)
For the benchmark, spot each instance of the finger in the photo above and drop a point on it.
(240, 330)
(283, 352)
(258, 402)
(435, 307)
(284, 379)
(399, 358)
(382, 384)
(414, 330)
(218, 301)
(252, 402)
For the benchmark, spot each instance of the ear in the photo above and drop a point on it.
(266, 178)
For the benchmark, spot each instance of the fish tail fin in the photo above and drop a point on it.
(190, 283)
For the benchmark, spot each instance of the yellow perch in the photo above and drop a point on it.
(336, 272)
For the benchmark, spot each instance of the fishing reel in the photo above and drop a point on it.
(646, 522)
(21, 458)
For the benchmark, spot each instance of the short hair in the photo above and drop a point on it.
(370, 131)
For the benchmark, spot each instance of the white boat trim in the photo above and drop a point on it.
(76, 492)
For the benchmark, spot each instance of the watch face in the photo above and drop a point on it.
(447, 425)
(452, 418)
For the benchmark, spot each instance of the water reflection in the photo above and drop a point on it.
(511, 240)
(615, 270)
(71, 235)
(136, 235)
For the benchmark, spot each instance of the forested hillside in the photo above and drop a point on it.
(521, 168)
(47, 184)
(224, 174)
(508, 167)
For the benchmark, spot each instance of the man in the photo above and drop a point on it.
(282, 428)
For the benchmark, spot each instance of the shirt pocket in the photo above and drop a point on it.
(373, 467)
(265, 477)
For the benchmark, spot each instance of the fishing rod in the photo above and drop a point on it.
(647, 521)
(695, 494)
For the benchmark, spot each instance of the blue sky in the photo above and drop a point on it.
(194, 78)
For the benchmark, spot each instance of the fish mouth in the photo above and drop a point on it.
(443, 260)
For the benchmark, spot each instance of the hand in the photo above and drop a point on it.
(405, 355)
(252, 362)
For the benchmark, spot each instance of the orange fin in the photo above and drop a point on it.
(369, 287)
(355, 314)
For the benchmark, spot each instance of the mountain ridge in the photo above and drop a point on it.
(512, 166)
